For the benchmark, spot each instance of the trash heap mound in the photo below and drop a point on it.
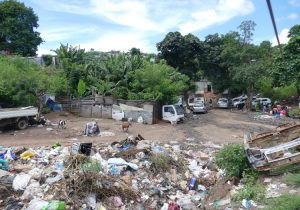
(131, 174)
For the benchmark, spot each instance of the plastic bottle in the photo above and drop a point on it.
(192, 183)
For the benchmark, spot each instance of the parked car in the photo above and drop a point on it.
(199, 108)
(240, 102)
(223, 103)
(262, 101)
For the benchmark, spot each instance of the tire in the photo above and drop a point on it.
(22, 124)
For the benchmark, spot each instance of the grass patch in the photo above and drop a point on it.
(254, 192)
(292, 179)
(284, 202)
(162, 162)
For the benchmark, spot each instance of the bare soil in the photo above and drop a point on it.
(217, 126)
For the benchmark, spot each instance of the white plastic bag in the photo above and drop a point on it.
(36, 204)
(21, 181)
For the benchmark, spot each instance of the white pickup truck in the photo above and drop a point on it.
(19, 117)
(172, 113)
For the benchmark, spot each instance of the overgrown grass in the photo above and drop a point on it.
(284, 202)
(292, 178)
(251, 191)
(162, 162)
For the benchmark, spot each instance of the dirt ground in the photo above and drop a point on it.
(217, 126)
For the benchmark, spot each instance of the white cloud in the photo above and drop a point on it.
(140, 19)
(61, 33)
(294, 3)
(43, 51)
(283, 37)
(292, 16)
(224, 11)
(156, 16)
(120, 41)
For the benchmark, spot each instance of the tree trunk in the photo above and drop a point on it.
(250, 96)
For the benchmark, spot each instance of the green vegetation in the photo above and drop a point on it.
(254, 192)
(284, 202)
(17, 28)
(232, 159)
(230, 61)
(292, 179)
(22, 82)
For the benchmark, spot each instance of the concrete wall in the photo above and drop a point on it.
(147, 115)
(96, 111)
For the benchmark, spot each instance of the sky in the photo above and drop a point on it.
(106, 25)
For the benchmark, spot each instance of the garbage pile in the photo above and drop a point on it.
(131, 174)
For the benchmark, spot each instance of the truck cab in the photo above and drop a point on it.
(172, 113)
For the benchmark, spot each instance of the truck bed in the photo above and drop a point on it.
(18, 112)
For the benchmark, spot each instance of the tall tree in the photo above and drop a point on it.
(182, 52)
(17, 28)
(287, 67)
(246, 31)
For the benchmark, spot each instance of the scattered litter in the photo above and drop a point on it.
(21, 181)
(107, 133)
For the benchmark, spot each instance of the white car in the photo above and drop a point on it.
(223, 103)
(240, 101)
(262, 101)
(199, 108)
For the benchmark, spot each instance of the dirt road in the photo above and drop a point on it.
(217, 126)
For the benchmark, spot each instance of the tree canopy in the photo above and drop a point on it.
(17, 28)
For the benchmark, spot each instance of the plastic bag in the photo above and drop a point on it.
(36, 204)
(27, 155)
(55, 205)
(21, 181)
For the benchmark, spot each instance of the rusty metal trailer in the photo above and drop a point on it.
(266, 151)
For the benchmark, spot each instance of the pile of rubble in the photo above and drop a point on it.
(131, 174)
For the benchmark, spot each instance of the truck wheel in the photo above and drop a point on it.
(22, 124)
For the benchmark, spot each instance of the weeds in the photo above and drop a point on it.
(162, 162)
(292, 179)
(255, 192)
(232, 159)
(284, 202)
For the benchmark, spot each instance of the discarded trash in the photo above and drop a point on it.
(21, 181)
(140, 120)
(8, 155)
(158, 149)
(36, 204)
(56, 145)
(85, 148)
(116, 201)
(192, 183)
(55, 205)
(4, 165)
(173, 206)
(95, 166)
(59, 165)
(27, 155)
(55, 178)
(91, 129)
(248, 203)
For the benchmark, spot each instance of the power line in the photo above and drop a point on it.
(274, 24)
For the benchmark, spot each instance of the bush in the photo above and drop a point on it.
(294, 112)
(232, 159)
(284, 202)
(254, 192)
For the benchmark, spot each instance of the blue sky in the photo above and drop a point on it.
(122, 24)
